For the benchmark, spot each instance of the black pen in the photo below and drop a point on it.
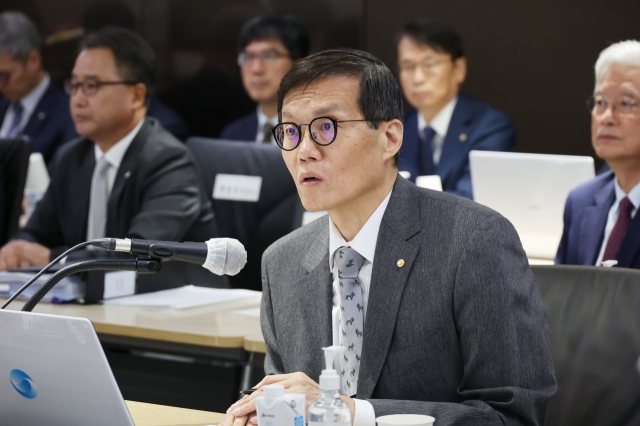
(248, 391)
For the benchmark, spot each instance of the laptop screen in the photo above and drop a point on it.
(53, 371)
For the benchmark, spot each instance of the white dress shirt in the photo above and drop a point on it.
(634, 197)
(365, 244)
(262, 120)
(440, 124)
(114, 156)
(29, 104)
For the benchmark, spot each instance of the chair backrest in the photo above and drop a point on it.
(14, 162)
(257, 225)
(594, 315)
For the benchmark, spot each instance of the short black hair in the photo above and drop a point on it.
(285, 28)
(134, 56)
(380, 97)
(439, 36)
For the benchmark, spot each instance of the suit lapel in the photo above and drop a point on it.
(317, 287)
(82, 187)
(630, 244)
(594, 220)
(455, 142)
(409, 154)
(125, 170)
(39, 115)
(401, 221)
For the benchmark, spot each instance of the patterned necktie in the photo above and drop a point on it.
(266, 133)
(426, 153)
(619, 230)
(99, 200)
(351, 320)
(17, 119)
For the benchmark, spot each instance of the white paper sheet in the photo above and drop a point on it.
(251, 312)
(184, 297)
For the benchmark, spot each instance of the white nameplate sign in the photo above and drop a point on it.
(237, 187)
(118, 284)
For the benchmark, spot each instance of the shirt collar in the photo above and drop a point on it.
(263, 119)
(116, 153)
(30, 101)
(440, 122)
(634, 194)
(366, 239)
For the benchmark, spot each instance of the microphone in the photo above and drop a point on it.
(222, 256)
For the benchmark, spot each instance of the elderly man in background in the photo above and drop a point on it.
(32, 105)
(600, 220)
(267, 46)
(444, 125)
(127, 177)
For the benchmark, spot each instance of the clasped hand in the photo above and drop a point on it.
(243, 412)
(20, 253)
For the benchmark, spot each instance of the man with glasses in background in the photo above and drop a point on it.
(444, 125)
(267, 46)
(127, 177)
(601, 224)
(31, 105)
(430, 294)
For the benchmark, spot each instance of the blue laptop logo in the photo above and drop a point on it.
(23, 384)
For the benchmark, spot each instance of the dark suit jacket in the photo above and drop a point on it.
(243, 129)
(157, 194)
(50, 125)
(585, 217)
(459, 332)
(475, 125)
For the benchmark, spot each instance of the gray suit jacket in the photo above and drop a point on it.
(459, 332)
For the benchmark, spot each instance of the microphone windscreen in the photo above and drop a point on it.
(226, 256)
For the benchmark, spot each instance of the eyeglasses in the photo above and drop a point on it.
(323, 131)
(91, 87)
(624, 105)
(267, 57)
(427, 67)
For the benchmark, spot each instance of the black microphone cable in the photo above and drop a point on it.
(45, 269)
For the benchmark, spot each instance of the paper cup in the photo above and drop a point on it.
(405, 420)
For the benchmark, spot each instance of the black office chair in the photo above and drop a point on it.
(594, 315)
(14, 164)
(255, 224)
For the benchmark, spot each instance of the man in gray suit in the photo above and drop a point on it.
(452, 325)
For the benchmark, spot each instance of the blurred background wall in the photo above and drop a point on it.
(534, 60)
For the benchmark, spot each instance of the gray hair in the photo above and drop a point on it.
(621, 53)
(18, 35)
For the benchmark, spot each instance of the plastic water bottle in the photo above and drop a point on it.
(329, 409)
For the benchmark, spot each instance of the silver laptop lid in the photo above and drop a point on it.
(530, 190)
(53, 371)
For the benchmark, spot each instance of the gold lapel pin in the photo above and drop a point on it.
(400, 263)
(462, 137)
(127, 174)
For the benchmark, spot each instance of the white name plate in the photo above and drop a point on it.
(237, 187)
(118, 284)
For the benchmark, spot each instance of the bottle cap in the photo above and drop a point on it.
(329, 379)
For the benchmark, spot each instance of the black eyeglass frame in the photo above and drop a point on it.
(69, 88)
(299, 127)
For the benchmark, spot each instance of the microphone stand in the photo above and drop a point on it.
(145, 265)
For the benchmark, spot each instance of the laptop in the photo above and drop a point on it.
(53, 371)
(530, 190)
